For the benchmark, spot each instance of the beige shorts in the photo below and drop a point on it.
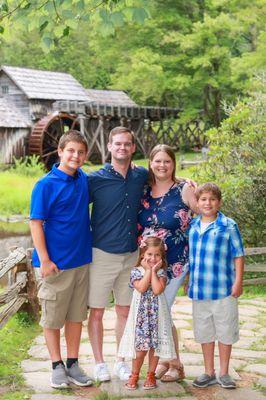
(109, 273)
(63, 297)
(216, 320)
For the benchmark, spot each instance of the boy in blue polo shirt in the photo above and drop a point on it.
(216, 263)
(60, 228)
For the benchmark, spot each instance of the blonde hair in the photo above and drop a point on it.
(152, 241)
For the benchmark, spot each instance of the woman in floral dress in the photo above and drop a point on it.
(166, 210)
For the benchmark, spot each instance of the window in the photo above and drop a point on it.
(5, 89)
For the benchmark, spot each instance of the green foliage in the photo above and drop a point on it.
(28, 166)
(237, 163)
(24, 319)
(15, 192)
(55, 19)
(15, 341)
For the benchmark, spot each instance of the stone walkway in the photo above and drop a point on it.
(248, 364)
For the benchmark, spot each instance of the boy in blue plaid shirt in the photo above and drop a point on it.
(216, 263)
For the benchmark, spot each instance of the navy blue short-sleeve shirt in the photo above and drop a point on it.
(62, 202)
(116, 202)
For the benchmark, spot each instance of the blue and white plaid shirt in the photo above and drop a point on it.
(211, 258)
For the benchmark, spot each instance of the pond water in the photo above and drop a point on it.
(13, 234)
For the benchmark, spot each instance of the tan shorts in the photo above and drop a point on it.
(216, 320)
(109, 273)
(63, 297)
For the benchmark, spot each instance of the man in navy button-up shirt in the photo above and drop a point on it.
(115, 191)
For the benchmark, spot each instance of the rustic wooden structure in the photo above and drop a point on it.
(51, 102)
(23, 289)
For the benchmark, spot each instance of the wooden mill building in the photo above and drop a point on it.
(37, 107)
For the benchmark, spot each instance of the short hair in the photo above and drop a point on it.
(152, 241)
(72, 136)
(209, 187)
(121, 129)
(170, 152)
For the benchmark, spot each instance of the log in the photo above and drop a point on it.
(257, 267)
(187, 163)
(32, 307)
(14, 290)
(255, 250)
(254, 281)
(10, 309)
(15, 257)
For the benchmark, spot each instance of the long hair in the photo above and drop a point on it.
(170, 152)
(152, 241)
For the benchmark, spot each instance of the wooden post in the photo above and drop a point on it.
(32, 306)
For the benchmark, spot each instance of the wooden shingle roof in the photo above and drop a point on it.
(37, 84)
(110, 97)
(10, 116)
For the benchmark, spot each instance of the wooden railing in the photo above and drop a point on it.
(22, 290)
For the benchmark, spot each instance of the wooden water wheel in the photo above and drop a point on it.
(46, 133)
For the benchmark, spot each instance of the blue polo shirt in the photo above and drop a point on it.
(61, 201)
(116, 202)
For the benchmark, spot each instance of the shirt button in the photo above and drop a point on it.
(129, 233)
(126, 194)
(127, 206)
(128, 220)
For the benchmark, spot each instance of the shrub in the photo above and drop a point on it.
(28, 166)
(237, 164)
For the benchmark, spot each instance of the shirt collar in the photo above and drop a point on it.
(62, 175)
(221, 220)
(108, 167)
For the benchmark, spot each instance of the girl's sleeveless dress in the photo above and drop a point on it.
(149, 323)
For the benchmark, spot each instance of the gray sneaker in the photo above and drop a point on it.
(204, 380)
(59, 379)
(77, 375)
(226, 382)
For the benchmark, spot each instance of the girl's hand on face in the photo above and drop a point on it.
(144, 263)
(157, 266)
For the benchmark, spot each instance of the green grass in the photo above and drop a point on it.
(15, 340)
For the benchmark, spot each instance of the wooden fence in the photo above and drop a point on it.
(21, 292)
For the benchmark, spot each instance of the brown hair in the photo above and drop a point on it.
(121, 129)
(72, 136)
(152, 241)
(170, 152)
(209, 187)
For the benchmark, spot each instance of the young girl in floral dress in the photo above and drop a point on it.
(148, 328)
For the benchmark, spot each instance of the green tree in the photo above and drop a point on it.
(237, 163)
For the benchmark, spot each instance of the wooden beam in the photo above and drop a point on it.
(255, 250)
(254, 281)
(15, 257)
(10, 309)
(257, 267)
(13, 291)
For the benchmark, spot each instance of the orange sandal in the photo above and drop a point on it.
(150, 382)
(132, 383)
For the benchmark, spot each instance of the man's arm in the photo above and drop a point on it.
(237, 288)
(47, 267)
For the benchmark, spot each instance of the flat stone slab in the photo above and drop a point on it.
(182, 324)
(216, 392)
(197, 359)
(251, 325)
(262, 382)
(40, 396)
(35, 365)
(108, 349)
(247, 333)
(39, 381)
(159, 398)
(176, 316)
(245, 343)
(117, 388)
(249, 311)
(186, 334)
(256, 368)
(250, 354)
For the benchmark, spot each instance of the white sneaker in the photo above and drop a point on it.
(121, 369)
(101, 373)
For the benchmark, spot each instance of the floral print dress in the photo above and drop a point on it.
(149, 323)
(167, 217)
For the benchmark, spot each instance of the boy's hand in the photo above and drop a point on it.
(237, 289)
(48, 268)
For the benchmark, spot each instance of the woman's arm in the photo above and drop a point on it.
(189, 198)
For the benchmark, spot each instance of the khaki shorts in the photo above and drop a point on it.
(216, 320)
(63, 297)
(109, 273)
